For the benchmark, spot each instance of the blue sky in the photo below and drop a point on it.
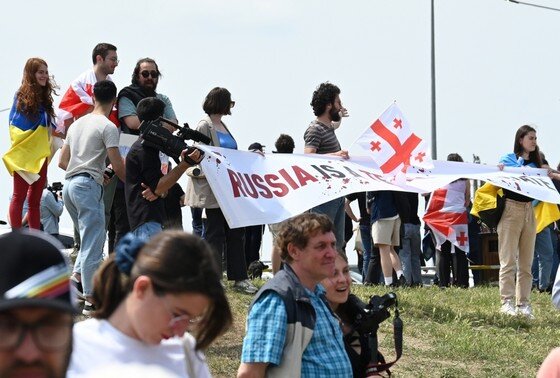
(496, 63)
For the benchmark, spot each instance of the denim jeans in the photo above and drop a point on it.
(365, 231)
(147, 230)
(410, 253)
(543, 259)
(335, 211)
(83, 198)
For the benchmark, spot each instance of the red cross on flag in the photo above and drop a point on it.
(446, 215)
(392, 144)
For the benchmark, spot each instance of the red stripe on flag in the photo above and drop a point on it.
(402, 151)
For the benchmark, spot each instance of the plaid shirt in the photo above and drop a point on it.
(325, 355)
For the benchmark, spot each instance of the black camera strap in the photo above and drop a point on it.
(375, 367)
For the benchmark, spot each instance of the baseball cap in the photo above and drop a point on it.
(34, 272)
(256, 146)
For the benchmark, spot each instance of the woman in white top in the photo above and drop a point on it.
(147, 296)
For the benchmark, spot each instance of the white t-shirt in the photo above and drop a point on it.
(88, 139)
(97, 344)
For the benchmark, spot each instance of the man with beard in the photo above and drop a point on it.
(144, 84)
(36, 306)
(145, 79)
(320, 139)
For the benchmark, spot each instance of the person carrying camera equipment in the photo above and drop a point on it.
(291, 330)
(52, 206)
(360, 321)
(145, 184)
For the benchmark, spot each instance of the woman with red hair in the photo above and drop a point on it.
(31, 119)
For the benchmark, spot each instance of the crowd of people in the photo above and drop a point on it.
(158, 298)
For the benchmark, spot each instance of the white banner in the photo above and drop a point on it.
(252, 189)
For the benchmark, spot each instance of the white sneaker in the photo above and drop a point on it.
(508, 308)
(88, 308)
(526, 311)
(245, 286)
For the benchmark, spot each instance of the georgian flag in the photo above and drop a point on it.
(447, 217)
(392, 144)
(78, 99)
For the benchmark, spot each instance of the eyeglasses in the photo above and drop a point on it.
(232, 104)
(180, 323)
(48, 336)
(146, 74)
(114, 59)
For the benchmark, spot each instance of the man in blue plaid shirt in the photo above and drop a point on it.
(291, 331)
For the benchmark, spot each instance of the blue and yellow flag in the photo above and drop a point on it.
(485, 198)
(30, 141)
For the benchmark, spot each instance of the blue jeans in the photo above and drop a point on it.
(410, 253)
(543, 259)
(335, 211)
(147, 230)
(83, 198)
(365, 233)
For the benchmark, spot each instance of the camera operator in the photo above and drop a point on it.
(52, 206)
(357, 325)
(145, 185)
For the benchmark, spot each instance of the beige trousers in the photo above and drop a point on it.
(516, 245)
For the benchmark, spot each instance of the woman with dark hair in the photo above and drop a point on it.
(222, 238)
(517, 230)
(147, 296)
(31, 127)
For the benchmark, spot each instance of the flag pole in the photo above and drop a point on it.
(433, 68)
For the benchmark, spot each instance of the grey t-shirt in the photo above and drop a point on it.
(88, 139)
(321, 137)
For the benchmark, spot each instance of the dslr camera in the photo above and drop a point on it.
(55, 189)
(367, 317)
(157, 136)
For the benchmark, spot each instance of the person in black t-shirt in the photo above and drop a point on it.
(145, 185)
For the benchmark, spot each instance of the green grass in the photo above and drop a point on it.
(447, 333)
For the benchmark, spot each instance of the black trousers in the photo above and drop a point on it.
(227, 243)
(456, 262)
(253, 241)
(119, 217)
(374, 268)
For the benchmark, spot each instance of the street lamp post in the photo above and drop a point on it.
(534, 5)
(433, 61)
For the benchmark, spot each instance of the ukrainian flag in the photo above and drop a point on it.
(30, 142)
(485, 198)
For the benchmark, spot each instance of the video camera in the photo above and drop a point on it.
(157, 136)
(365, 320)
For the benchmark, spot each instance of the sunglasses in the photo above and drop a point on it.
(232, 104)
(146, 74)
